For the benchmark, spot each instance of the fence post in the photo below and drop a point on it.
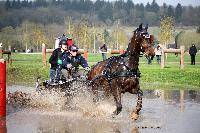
(2, 88)
(182, 106)
(121, 51)
(10, 55)
(1, 51)
(182, 57)
(44, 55)
(163, 58)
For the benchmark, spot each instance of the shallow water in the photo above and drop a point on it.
(171, 111)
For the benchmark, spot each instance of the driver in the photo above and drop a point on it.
(58, 61)
(74, 60)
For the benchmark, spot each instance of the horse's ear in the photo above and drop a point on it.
(140, 27)
(146, 27)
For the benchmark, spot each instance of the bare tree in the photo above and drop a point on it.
(25, 27)
(166, 30)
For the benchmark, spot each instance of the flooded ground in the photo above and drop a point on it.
(176, 111)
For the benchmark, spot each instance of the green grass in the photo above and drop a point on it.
(26, 68)
(171, 77)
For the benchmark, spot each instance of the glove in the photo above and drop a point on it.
(60, 62)
(69, 65)
(87, 68)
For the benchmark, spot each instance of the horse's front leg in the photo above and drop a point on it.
(135, 114)
(95, 92)
(117, 96)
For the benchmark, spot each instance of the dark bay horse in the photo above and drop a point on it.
(120, 74)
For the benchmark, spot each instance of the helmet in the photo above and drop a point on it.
(63, 41)
(73, 47)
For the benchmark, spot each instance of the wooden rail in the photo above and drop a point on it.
(178, 51)
(116, 51)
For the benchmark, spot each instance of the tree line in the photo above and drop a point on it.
(27, 24)
(14, 12)
(31, 36)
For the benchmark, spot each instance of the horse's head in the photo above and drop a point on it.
(143, 41)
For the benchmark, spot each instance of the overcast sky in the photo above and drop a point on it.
(169, 2)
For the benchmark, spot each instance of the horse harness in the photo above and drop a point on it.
(109, 76)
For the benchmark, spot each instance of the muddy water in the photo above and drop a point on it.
(174, 111)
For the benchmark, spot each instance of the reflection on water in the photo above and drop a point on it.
(61, 123)
(173, 95)
(82, 126)
(163, 111)
(3, 128)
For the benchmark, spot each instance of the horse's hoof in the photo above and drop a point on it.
(116, 112)
(134, 116)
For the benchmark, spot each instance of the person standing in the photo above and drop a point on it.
(192, 52)
(103, 50)
(158, 52)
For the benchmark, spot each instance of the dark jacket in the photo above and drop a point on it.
(57, 54)
(193, 50)
(103, 48)
(76, 61)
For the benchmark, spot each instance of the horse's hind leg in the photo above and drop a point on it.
(135, 114)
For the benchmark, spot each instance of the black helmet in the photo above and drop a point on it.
(73, 47)
(63, 41)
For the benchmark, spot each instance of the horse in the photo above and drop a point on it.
(120, 74)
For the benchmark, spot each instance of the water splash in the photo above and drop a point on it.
(80, 100)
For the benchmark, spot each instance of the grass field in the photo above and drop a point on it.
(27, 67)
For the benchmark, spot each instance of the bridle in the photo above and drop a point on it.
(146, 36)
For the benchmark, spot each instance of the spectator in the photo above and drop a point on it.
(103, 50)
(158, 52)
(28, 51)
(192, 52)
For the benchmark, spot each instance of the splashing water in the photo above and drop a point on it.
(79, 100)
